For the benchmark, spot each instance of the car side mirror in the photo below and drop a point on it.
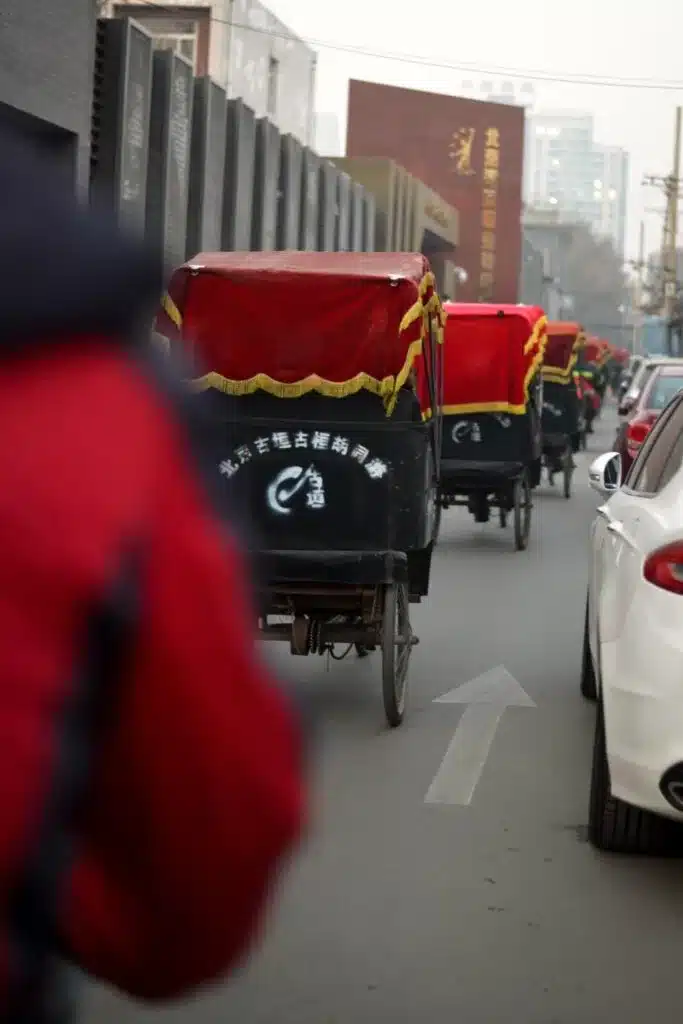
(604, 474)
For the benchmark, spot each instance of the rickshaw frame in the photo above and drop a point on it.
(358, 598)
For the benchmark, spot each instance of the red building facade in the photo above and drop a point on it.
(468, 151)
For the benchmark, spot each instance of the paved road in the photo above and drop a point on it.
(403, 911)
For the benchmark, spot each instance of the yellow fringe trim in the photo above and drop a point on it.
(172, 310)
(557, 375)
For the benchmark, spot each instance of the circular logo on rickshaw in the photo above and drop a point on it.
(294, 480)
(465, 430)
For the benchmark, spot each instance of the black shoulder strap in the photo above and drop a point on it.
(35, 995)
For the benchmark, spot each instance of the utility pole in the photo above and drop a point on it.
(669, 258)
(670, 273)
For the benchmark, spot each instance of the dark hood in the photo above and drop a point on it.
(65, 271)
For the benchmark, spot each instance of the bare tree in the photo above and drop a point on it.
(594, 277)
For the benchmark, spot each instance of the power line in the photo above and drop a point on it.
(613, 82)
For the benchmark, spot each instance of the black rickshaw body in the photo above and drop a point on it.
(367, 512)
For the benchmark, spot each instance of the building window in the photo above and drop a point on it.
(273, 73)
(185, 45)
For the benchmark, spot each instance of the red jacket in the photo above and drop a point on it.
(197, 783)
(195, 791)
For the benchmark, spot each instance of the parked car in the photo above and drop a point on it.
(633, 645)
(634, 364)
(660, 382)
(639, 379)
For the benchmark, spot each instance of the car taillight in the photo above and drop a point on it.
(637, 431)
(664, 568)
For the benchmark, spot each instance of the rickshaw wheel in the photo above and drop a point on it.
(567, 471)
(522, 512)
(396, 648)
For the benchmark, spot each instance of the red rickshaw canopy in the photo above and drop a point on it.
(491, 353)
(565, 338)
(293, 322)
(592, 350)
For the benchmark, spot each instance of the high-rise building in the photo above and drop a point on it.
(613, 194)
(566, 169)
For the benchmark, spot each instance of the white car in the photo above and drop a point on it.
(633, 645)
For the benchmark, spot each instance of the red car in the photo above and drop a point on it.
(664, 383)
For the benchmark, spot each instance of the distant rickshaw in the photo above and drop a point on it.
(561, 420)
(591, 379)
(491, 454)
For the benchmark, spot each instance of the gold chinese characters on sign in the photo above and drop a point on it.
(489, 214)
(460, 151)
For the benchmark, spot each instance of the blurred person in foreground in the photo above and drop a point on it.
(150, 771)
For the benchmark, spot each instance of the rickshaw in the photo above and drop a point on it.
(617, 368)
(561, 423)
(322, 377)
(601, 356)
(591, 379)
(491, 455)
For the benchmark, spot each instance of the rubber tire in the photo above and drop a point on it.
(394, 705)
(617, 827)
(567, 472)
(589, 682)
(437, 523)
(522, 512)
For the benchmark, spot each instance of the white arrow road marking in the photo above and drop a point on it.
(487, 697)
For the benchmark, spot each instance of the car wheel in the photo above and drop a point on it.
(589, 683)
(617, 827)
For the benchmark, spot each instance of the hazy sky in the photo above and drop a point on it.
(536, 39)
